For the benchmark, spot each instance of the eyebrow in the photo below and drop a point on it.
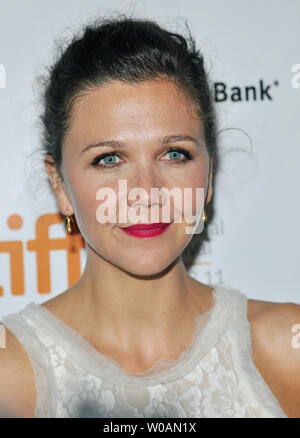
(117, 144)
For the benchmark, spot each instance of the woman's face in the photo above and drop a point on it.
(139, 116)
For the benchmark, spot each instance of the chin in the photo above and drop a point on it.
(135, 261)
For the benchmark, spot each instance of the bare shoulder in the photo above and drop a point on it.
(17, 381)
(275, 331)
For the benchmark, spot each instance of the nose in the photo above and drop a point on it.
(143, 190)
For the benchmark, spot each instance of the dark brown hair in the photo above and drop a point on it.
(124, 49)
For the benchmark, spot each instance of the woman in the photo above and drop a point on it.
(137, 336)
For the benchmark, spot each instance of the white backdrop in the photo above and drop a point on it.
(254, 237)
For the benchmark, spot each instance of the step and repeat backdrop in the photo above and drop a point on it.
(251, 240)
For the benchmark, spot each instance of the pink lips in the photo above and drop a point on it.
(146, 230)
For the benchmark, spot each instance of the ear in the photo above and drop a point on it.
(58, 187)
(210, 188)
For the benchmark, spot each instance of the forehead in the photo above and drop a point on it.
(145, 108)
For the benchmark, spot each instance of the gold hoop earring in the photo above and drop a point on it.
(69, 225)
(204, 216)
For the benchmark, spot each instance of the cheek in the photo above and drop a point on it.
(83, 196)
(96, 202)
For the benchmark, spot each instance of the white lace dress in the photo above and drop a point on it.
(214, 377)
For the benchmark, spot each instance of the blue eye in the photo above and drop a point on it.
(185, 153)
(97, 160)
(110, 159)
(173, 151)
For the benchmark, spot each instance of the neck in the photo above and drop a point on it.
(134, 312)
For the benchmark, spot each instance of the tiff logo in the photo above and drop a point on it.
(2, 336)
(2, 76)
